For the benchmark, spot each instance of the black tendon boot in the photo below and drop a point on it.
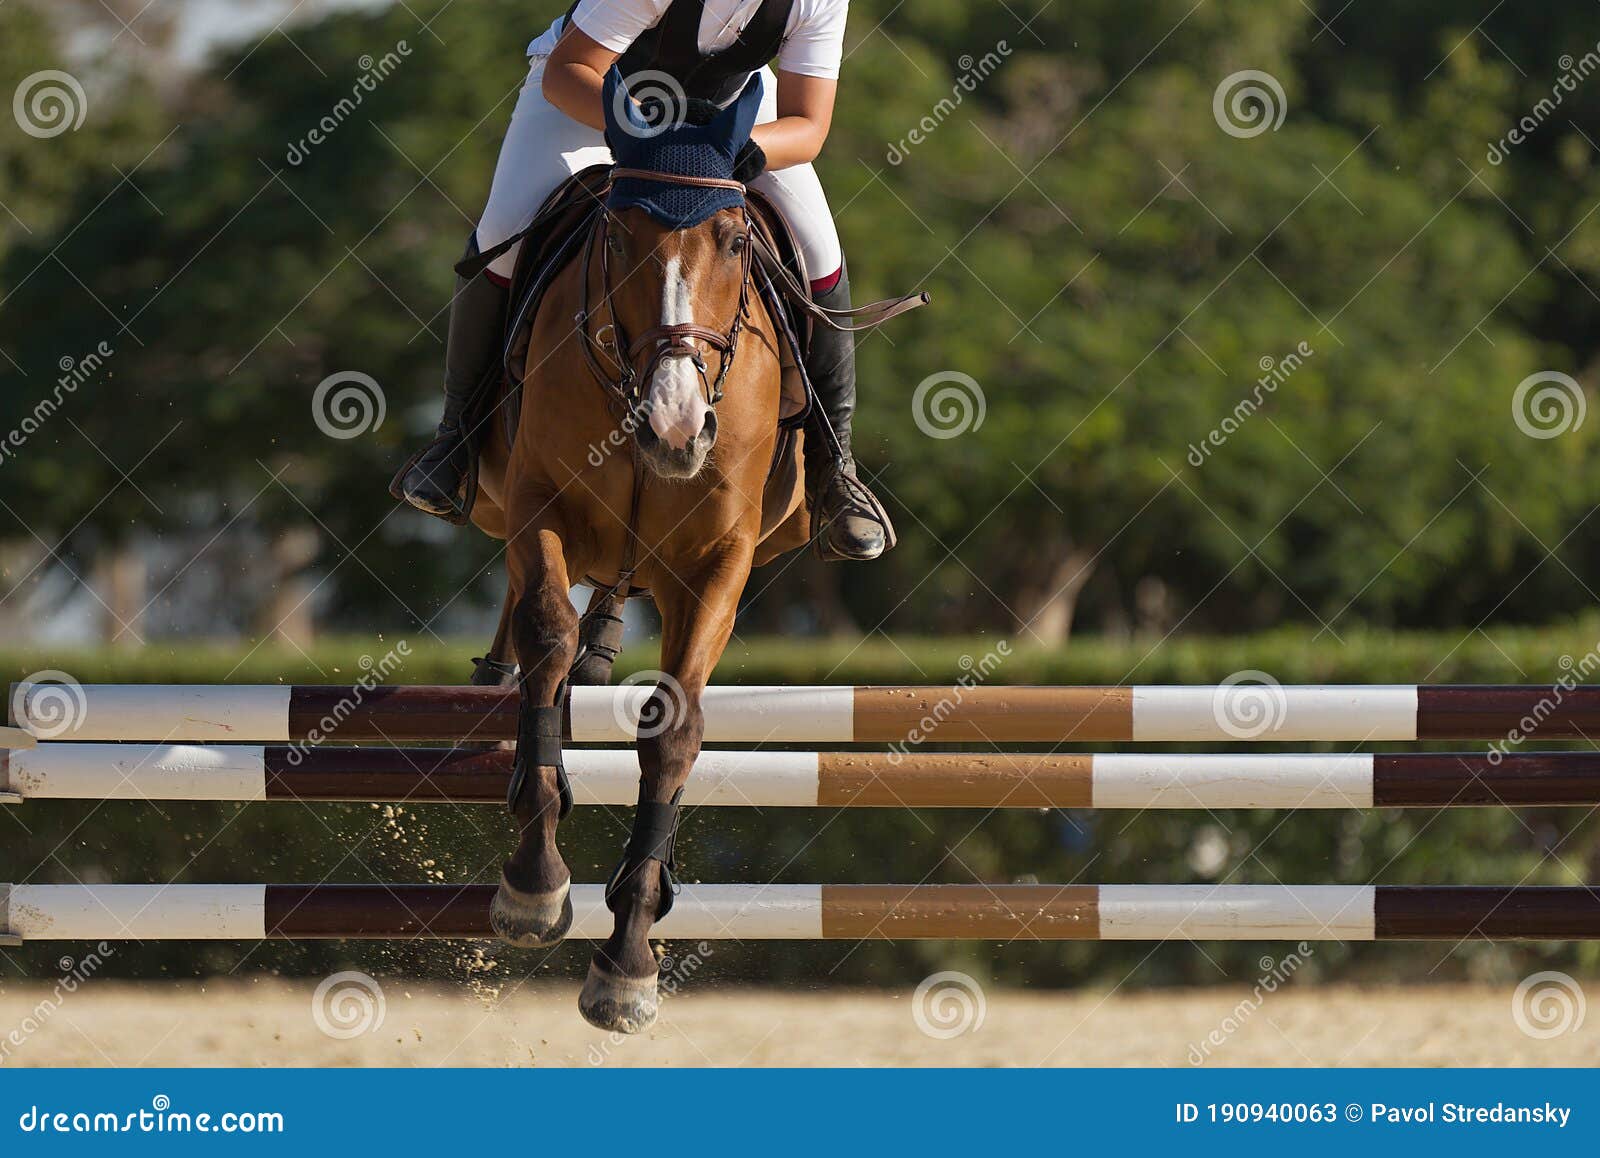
(847, 521)
(434, 481)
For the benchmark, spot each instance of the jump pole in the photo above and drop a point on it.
(245, 772)
(819, 912)
(275, 714)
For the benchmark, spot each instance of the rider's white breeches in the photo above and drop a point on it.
(544, 146)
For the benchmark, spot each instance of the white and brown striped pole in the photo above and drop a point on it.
(823, 715)
(819, 912)
(915, 779)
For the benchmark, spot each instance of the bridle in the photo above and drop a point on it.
(629, 383)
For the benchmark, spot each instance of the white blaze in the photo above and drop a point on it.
(677, 406)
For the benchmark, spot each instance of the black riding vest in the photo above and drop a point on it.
(673, 47)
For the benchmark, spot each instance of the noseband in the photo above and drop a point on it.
(627, 385)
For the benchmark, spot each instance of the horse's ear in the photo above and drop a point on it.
(738, 119)
(618, 104)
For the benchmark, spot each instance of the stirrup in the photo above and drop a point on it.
(655, 837)
(466, 496)
(539, 735)
(491, 673)
(865, 505)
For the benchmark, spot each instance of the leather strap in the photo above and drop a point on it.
(621, 174)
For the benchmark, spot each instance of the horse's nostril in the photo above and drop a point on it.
(709, 430)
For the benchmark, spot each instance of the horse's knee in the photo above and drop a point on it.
(544, 627)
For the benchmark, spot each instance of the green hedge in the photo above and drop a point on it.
(64, 841)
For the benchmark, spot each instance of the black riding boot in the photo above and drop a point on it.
(847, 521)
(434, 480)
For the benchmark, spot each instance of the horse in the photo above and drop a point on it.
(638, 463)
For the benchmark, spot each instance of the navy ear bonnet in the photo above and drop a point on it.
(679, 147)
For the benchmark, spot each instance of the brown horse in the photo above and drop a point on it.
(642, 454)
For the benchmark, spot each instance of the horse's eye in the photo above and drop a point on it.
(738, 244)
(614, 243)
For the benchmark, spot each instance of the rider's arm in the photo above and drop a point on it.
(575, 75)
(805, 114)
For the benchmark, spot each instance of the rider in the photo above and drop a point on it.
(707, 49)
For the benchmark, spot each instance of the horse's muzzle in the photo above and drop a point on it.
(676, 462)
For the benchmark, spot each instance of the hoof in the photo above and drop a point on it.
(531, 920)
(618, 1004)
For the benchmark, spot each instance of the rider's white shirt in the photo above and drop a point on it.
(813, 43)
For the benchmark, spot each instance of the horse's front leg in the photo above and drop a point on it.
(533, 906)
(697, 614)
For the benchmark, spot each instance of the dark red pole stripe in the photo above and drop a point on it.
(1456, 913)
(1472, 779)
(378, 912)
(402, 713)
(1489, 712)
(382, 774)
